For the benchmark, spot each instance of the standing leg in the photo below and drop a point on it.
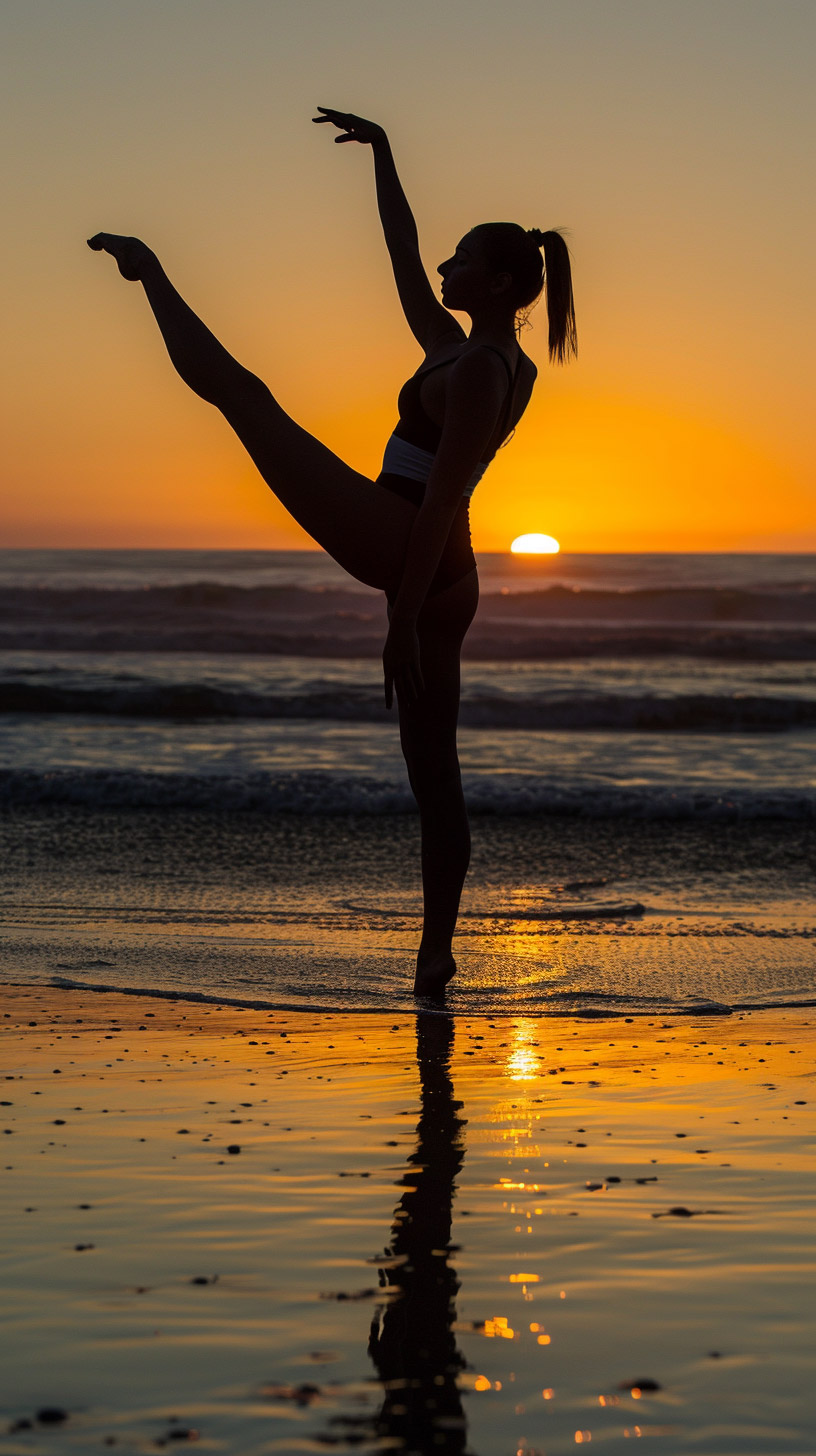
(428, 735)
(364, 527)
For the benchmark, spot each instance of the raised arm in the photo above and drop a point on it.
(427, 319)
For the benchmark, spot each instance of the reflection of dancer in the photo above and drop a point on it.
(407, 532)
(413, 1346)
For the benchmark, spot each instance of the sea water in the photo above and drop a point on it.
(600, 684)
(597, 690)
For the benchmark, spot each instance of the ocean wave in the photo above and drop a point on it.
(632, 712)
(552, 622)
(486, 642)
(318, 793)
(793, 603)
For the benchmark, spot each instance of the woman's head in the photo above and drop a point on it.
(507, 261)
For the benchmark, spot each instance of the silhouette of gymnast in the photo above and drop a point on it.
(406, 533)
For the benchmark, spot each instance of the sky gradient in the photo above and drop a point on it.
(673, 141)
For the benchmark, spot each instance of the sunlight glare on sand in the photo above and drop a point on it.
(535, 544)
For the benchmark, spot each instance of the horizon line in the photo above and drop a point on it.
(517, 556)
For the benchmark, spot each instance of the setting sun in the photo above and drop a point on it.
(533, 542)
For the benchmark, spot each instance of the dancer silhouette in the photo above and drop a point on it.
(406, 533)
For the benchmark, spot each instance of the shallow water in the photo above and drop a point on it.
(303, 911)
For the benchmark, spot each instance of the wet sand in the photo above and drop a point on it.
(273, 1232)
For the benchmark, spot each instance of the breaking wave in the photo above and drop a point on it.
(319, 793)
(738, 623)
(736, 712)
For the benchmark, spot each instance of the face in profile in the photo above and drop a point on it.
(466, 279)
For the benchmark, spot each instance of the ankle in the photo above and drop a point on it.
(433, 952)
(433, 976)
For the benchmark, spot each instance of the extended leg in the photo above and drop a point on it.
(362, 526)
(428, 734)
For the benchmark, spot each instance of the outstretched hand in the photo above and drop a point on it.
(133, 257)
(401, 662)
(354, 128)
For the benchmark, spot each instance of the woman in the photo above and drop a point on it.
(406, 533)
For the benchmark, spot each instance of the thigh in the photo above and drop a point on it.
(428, 726)
(362, 525)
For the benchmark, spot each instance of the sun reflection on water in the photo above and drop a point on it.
(523, 1063)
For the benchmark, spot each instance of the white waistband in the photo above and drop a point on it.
(403, 458)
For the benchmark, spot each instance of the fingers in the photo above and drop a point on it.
(402, 667)
(345, 121)
(336, 118)
(407, 681)
(413, 682)
(349, 135)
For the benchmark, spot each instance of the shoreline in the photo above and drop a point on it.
(602, 917)
(423, 1006)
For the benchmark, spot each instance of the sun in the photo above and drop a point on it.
(535, 544)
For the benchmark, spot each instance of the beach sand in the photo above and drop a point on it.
(266, 1231)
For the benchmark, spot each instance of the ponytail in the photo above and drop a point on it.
(563, 335)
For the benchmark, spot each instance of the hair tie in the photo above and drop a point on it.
(536, 236)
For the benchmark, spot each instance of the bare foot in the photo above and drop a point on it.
(132, 255)
(433, 975)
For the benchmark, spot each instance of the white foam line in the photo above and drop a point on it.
(555, 1004)
(562, 912)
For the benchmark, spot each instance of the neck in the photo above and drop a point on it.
(493, 325)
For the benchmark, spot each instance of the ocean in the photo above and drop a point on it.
(607, 699)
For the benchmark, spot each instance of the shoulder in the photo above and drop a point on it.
(486, 368)
(479, 363)
(513, 363)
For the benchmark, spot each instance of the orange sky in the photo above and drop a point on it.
(673, 140)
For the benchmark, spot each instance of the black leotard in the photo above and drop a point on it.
(416, 428)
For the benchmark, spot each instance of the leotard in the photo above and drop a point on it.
(409, 456)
